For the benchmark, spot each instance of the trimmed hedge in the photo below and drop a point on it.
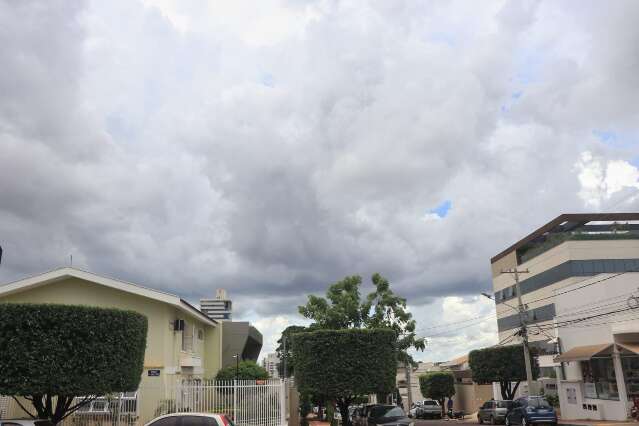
(345, 363)
(500, 363)
(69, 350)
(437, 385)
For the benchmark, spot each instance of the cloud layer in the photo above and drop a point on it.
(273, 148)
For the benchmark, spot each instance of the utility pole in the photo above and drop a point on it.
(408, 368)
(522, 320)
(285, 356)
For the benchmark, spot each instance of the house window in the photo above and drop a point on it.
(200, 334)
(599, 378)
(187, 337)
(630, 367)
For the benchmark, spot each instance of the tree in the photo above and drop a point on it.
(503, 364)
(246, 370)
(438, 385)
(343, 365)
(343, 309)
(60, 357)
(284, 352)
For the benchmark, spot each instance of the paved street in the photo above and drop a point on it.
(467, 421)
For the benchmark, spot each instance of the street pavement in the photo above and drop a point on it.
(464, 422)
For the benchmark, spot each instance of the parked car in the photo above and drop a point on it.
(412, 413)
(382, 414)
(25, 422)
(494, 412)
(191, 419)
(530, 410)
(429, 409)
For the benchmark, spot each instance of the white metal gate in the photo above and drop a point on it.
(248, 402)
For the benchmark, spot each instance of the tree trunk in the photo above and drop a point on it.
(343, 410)
(442, 403)
(507, 391)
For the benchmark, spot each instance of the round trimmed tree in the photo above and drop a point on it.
(60, 357)
(437, 385)
(342, 365)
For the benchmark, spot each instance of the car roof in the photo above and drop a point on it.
(213, 415)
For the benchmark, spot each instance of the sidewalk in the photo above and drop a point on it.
(596, 423)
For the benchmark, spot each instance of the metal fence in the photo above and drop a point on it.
(248, 402)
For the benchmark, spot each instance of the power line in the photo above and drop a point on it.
(458, 322)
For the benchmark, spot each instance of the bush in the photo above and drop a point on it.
(247, 370)
(342, 365)
(66, 351)
(503, 364)
(437, 385)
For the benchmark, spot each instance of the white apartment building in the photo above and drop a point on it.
(597, 324)
(270, 363)
(220, 308)
(564, 251)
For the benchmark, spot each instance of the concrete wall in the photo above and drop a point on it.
(470, 396)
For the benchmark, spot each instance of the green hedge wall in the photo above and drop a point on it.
(69, 350)
(345, 363)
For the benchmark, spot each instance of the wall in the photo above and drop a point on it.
(470, 396)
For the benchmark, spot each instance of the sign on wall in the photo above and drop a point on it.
(571, 394)
(154, 373)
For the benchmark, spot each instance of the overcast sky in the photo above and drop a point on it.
(273, 147)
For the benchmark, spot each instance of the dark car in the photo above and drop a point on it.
(381, 414)
(494, 412)
(531, 410)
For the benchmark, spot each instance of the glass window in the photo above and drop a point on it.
(630, 366)
(386, 411)
(198, 421)
(167, 421)
(599, 378)
(504, 404)
(187, 337)
(538, 403)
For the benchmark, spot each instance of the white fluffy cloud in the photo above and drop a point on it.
(273, 148)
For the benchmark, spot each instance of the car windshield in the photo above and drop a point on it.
(538, 403)
(504, 404)
(430, 403)
(387, 411)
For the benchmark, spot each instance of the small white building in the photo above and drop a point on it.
(271, 364)
(597, 324)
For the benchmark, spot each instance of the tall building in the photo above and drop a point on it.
(271, 363)
(566, 250)
(220, 308)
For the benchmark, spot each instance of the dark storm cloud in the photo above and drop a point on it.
(274, 149)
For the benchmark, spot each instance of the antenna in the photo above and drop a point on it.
(71, 259)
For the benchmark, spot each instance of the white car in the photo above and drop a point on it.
(191, 419)
(24, 422)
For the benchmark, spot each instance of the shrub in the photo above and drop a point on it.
(342, 365)
(52, 354)
(437, 385)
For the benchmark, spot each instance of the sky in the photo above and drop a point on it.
(271, 148)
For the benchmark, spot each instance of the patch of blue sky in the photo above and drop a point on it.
(267, 79)
(443, 37)
(442, 209)
(618, 140)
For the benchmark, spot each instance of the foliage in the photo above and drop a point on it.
(503, 364)
(437, 385)
(305, 408)
(284, 352)
(553, 400)
(246, 370)
(342, 365)
(51, 354)
(343, 308)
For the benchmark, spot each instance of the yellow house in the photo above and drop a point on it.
(182, 342)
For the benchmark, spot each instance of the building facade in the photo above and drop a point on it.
(597, 325)
(220, 308)
(566, 250)
(271, 364)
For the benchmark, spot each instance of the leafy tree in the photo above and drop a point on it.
(55, 356)
(246, 370)
(343, 308)
(438, 385)
(284, 352)
(503, 364)
(343, 365)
